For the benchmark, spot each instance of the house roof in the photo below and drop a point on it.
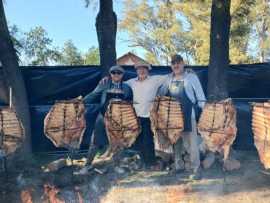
(134, 58)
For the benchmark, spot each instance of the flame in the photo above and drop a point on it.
(26, 196)
(50, 193)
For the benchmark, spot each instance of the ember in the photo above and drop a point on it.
(50, 194)
(26, 196)
(261, 130)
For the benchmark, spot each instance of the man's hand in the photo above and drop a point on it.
(104, 80)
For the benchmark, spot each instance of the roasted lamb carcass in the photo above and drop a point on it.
(11, 131)
(217, 126)
(167, 121)
(65, 124)
(122, 125)
(261, 131)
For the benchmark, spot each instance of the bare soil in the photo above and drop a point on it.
(246, 185)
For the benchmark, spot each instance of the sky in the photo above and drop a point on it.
(64, 20)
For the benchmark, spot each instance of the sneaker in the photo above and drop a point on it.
(196, 174)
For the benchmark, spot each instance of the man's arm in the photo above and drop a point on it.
(161, 83)
(95, 95)
(128, 82)
(160, 79)
(198, 90)
(128, 93)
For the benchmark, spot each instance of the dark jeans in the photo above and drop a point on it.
(145, 142)
(98, 139)
(99, 132)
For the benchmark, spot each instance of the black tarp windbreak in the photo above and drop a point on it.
(48, 84)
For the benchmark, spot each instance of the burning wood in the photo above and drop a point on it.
(166, 121)
(217, 125)
(122, 125)
(261, 131)
(11, 131)
(65, 124)
(50, 194)
(80, 198)
(26, 196)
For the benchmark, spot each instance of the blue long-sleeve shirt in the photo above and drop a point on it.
(99, 94)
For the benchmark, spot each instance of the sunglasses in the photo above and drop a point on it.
(116, 72)
(175, 62)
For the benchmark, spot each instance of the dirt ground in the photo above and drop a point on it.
(246, 185)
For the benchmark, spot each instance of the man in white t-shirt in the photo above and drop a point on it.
(144, 88)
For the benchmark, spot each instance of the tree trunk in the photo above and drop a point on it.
(14, 79)
(262, 39)
(106, 26)
(219, 50)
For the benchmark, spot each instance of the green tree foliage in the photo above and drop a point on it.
(35, 48)
(166, 26)
(92, 56)
(38, 47)
(241, 28)
(16, 37)
(70, 55)
(197, 15)
(261, 29)
(156, 27)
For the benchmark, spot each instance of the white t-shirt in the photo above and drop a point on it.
(144, 92)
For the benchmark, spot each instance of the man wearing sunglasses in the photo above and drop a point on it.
(102, 94)
(144, 88)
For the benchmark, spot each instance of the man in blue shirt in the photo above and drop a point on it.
(102, 94)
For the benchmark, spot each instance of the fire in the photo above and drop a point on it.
(50, 193)
(26, 196)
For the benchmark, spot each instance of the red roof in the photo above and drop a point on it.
(130, 59)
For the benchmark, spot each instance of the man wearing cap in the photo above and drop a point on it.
(144, 89)
(103, 93)
(184, 85)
